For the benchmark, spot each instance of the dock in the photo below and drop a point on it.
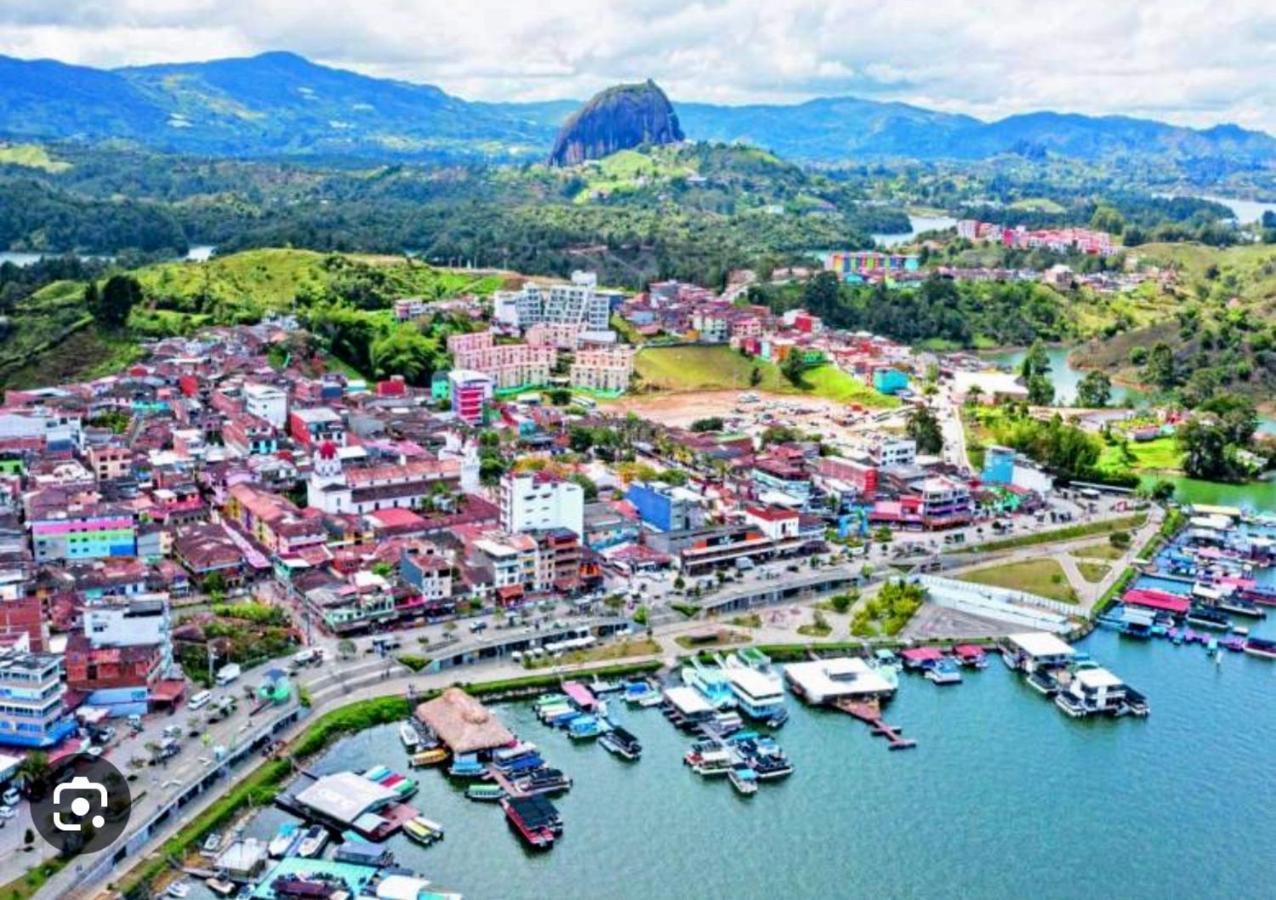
(870, 712)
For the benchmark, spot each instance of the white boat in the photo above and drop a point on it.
(178, 889)
(743, 779)
(223, 887)
(283, 839)
(312, 844)
(408, 734)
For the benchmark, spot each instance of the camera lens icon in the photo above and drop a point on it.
(82, 805)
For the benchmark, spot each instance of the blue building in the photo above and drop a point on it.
(889, 381)
(665, 507)
(999, 465)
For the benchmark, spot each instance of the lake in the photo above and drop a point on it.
(1003, 797)
(918, 225)
(1065, 377)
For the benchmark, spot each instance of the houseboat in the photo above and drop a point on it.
(759, 694)
(1036, 651)
(711, 682)
(1096, 691)
(687, 708)
(467, 766)
(826, 681)
(530, 821)
(641, 693)
(1209, 617)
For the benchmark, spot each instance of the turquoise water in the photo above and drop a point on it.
(917, 225)
(1003, 797)
(1065, 378)
(1260, 495)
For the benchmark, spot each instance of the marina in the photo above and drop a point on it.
(1106, 768)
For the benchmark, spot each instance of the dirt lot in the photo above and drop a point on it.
(809, 414)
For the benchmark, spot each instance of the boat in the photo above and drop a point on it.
(408, 734)
(727, 722)
(544, 780)
(211, 844)
(1209, 617)
(778, 719)
(422, 831)
(223, 887)
(636, 693)
(178, 889)
(599, 686)
(485, 793)
(431, 757)
(944, 672)
(709, 761)
(584, 728)
(533, 822)
(283, 839)
(743, 779)
(467, 766)
(971, 655)
(312, 842)
(1262, 647)
(621, 743)
(1043, 683)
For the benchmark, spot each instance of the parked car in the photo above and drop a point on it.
(12, 797)
(7, 812)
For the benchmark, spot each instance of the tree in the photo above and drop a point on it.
(404, 351)
(1160, 367)
(793, 367)
(1204, 450)
(346, 648)
(755, 376)
(924, 428)
(1035, 362)
(1040, 391)
(975, 395)
(1094, 390)
(120, 294)
(712, 423)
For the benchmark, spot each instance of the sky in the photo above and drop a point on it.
(1193, 63)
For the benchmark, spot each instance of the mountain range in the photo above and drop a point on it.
(283, 104)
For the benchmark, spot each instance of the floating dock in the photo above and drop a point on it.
(870, 712)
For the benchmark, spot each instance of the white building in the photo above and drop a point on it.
(403, 484)
(895, 452)
(265, 401)
(579, 303)
(535, 500)
(777, 524)
(827, 680)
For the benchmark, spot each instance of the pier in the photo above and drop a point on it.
(870, 712)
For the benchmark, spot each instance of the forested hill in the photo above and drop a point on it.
(281, 103)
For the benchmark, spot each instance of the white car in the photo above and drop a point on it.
(7, 812)
(11, 797)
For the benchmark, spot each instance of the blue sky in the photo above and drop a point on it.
(1193, 63)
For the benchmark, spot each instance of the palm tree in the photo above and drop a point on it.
(35, 768)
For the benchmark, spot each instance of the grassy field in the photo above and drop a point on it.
(721, 368)
(31, 156)
(1044, 577)
(1125, 523)
(1160, 455)
(1098, 551)
(1093, 572)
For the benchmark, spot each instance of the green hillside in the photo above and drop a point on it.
(51, 335)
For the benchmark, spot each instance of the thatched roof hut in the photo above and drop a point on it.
(463, 723)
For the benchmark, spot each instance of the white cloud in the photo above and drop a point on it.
(1193, 62)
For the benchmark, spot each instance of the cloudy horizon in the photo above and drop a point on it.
(1183, 62)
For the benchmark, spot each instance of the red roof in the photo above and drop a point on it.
(922, 654)
(1154, 599)
(395, 518)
